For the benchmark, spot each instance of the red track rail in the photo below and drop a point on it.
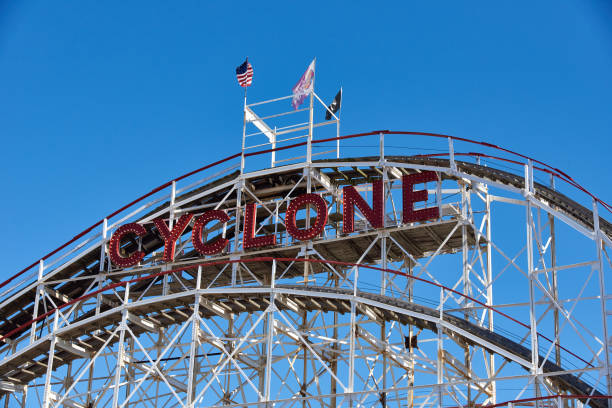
(270, 259)
(551, 170)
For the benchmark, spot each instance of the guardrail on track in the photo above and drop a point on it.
(514, 158)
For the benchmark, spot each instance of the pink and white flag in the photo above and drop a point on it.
(304, 86)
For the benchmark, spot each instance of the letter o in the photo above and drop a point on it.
(321, 209)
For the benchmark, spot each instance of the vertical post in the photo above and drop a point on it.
(353, 327)
(238, 211)
(103, 263)
(195, 331)
(439, 193)
(489, 283)
(103, 244)
(48, 393)
(273, 156)
(269, 335)
(383, 338)
(303, 327)
(90, 381)
(172, 202)
(467, 283)
(383, 236)
(531, 276)
(229, 346)
(130, 371)
(383, 262)
(410, 342)
(37, 299)
(261, 369)
(306, 248)
(381, 147)
(603, 297)
(24, 396)
(383, 288)
(351, 373)
(440, 356)
(440, 367)
(68, 379)
(467, 289)
(121, 346)
(308, 174)
(335, 351)
(555, 285)
(451, 153)
(171, 216)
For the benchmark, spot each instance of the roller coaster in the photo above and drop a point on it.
(412, 270)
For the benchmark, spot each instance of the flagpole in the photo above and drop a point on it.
(243, 130)
(245, 97)
(309, 163)
(245, 89)
(310, 125)
(338, 129)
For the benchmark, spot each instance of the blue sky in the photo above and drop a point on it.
(101, 102)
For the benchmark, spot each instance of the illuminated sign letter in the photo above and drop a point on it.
(409, 214)
(115, 245)
(320, 207)
(351, 198)
(250, 240)
(196, 234)
(170, 237)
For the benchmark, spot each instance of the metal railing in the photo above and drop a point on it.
(98, 233)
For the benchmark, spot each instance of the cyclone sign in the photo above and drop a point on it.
(351, 198)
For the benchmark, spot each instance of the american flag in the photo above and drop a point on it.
(244, 74)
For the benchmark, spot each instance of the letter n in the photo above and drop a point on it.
(351, 199)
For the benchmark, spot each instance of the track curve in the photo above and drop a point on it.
(18, 309)
(152, 241)
(255, 300)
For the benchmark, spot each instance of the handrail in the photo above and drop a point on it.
(552, 170)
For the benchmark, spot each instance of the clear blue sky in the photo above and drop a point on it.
(92, 94)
